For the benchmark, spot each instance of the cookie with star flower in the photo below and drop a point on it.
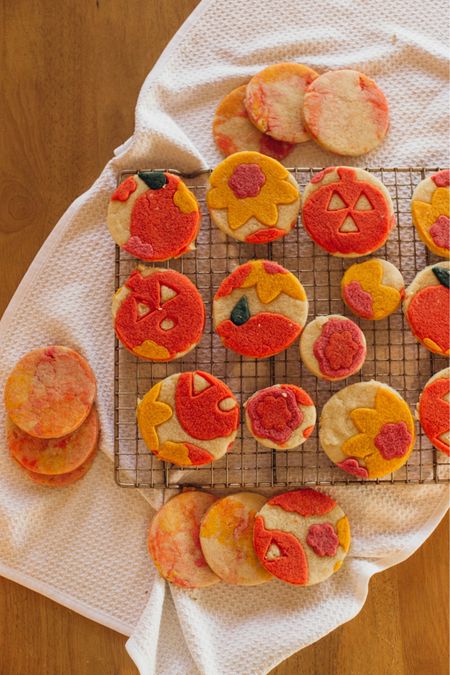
(367, 429)
(253, 198)
(433, 410)
(430, 208)
(189, 419)
(373, 289)
(281, 416)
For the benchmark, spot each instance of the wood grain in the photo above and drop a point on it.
(71, 72)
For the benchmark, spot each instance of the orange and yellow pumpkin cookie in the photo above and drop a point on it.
(50, 392)
(367, 429)
(253, 198)
(372, 289)
(189, 418)
(63, 479)
(158, 314)
(173, 541)
(347, 211)
(281, 417)
(233, 131)
(427, 307)
(274, 100)
(333, 347)
(346, 112)
(154, 216)
(259, 309)
(226, 538)
(431, 212)
(433, 410)
(301, 537)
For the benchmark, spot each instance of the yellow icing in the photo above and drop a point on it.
(184, 199)
(433, 347)
(337, 565)
(152, 350)
(425, 215)
(269, 286)
(150, 414)
(174, 452)
(369, 275)
(343, 531)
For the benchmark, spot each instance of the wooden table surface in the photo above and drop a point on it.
(71, 72)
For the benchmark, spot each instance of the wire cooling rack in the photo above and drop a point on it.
(393, 355)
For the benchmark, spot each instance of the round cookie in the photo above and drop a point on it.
(433, 410)
(427, 307)
(233, 131)
(259, 309)
(302, 536)
(346, 112)
(158, 314)
(333, 347)
(50, 392)
(274, 100)
(430, 208)
(281, 417)
(173, 541)
(372, 289)
(154, 216)
(189, 418)
(54, 456)
(63, 479)
(347, 211)
(367, 429)
(226, 538)
(253, 198)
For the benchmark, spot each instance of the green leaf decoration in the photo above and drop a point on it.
(442, 275)
(154, 179)
(240, 312)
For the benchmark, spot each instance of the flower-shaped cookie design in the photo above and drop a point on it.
(431, 211)
(372, 289)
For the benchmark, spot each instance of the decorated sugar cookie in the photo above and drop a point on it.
(367, 429)
(372, 289)
(281, 417)
(259, 309)
(333, 347)
(154, 216)
(433, 410)
(63, 479)
(346, 112)
(189, 418)
(431, 211)
(233, 131)
(347, 211)
(427, 307)
(253, 198)
(173, 540)
(50, 391)
(274, 100)
(158, 314)
(302, 536)
(226, 538)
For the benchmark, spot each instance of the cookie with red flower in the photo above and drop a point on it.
(433, 410)
(430, 208)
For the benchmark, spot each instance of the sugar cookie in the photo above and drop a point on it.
(430, 208)
(372, 289)
(434, 410)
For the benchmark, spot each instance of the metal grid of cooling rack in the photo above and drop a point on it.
(393, 355)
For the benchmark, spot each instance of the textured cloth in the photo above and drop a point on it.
(85, 546)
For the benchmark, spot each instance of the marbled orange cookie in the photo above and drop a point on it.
(431, 211)
(373, 289)
(63, 479)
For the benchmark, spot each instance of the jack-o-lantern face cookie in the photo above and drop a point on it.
(259, 309)
(346, 112)
(233, 131)
(50, 392)
(430, 208)
(158, 314)
(373, 289)
(226, 538)
(274, 100)
(301, 537)
(333, 347)
(427, 307)
(253, 198)
(173, 541)
(281, 417)
(367, 429)
(347, 211)
(189, 418)
(154, 216)
(433, 410)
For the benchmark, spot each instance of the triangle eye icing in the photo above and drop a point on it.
(363, 203)
(336, 203)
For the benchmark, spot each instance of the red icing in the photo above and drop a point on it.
(308, 431)
(185, 310)
(199, 413)
(434, 412)
(273, 268)
(321, 175)
(440, 232)
(124, 190)
(442, 179)
(291, 565)
(324, 225)
(273, 148)
(300, 394)
(393, 440)
(358, 299)
(264, 334)
(274, 414)
(198, 455)
(352, 466)
(263, 236)
(429, 315)
(246, 181)
(323, 540)
(306, 502)
(340, 349)
(234, 280)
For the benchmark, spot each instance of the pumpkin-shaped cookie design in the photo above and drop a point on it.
(434, 410)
